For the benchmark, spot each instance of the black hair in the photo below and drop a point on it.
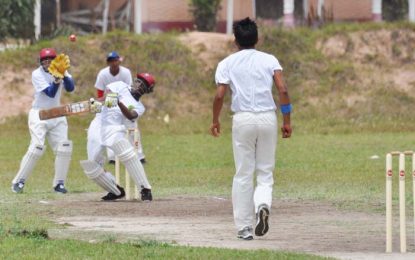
(246, 33)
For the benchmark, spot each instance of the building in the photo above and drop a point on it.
(164, 15)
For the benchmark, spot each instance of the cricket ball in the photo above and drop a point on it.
(72, 37)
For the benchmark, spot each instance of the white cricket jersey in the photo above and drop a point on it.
(111, 120)
(114, 116)
(41, 80)
(105, 77)
(249, 73)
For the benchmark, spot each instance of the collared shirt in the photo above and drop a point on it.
(249, 73)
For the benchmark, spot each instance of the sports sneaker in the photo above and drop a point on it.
(146, 195)
(143, 161)
(60, 188)
(112, 196)
(262, 216)
(245, 233)
(18, 187)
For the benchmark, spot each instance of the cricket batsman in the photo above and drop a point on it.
(49, 80)
(108, 131)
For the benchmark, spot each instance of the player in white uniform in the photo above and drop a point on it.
(108, 131)
(47, 95)
(250, 74)
(115, 72)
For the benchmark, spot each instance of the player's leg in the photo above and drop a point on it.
(36, 149)
(93, 167)
(62, 148)
(140, 150)
(265, 165)
(243, 142)
(125, 152)
(105, 180)
(110, 156)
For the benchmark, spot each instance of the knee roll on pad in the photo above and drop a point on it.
(124, 150)
(92, 169)
(36, 150)
(64, 148)
(97, 174)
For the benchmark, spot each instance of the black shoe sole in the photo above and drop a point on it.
(262, 226)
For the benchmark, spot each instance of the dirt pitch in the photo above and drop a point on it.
(300, 226)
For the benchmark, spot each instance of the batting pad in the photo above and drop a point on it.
(62, 161)
(97, 174)
(34, 152)
(125, 152)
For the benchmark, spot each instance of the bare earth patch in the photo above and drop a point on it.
(300, 226)
(208, 47)
(17, 93)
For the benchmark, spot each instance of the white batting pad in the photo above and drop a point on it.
(125, 152)
(62, 161)
(97, 174)
(34, 152)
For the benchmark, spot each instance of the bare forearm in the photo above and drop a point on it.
(217, 107)
(129, 114)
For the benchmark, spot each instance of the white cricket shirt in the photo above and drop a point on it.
(113, 116)
(249, 73)
(41, 80)
(105, 77)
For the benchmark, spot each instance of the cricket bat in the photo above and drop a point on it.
(66, 110)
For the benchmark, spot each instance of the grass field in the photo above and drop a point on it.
(334, 168)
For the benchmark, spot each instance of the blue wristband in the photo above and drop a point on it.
(286, 108)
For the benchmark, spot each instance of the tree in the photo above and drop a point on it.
(205, 13)
(394, 10)
(16, 19)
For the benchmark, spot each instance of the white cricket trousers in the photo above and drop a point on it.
(254, 140)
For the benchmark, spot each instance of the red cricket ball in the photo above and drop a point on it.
(72, 37)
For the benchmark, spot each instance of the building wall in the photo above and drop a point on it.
(350, 10)
(162, 15)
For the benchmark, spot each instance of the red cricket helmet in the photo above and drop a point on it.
(148, 78)
(47, 53)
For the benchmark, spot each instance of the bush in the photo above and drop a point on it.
(204, 13)
(16, 19)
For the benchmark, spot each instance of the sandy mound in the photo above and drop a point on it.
(208, 47)
(17, 93)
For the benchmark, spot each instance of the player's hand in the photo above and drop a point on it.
(286, 131)
(57, 80)
(111, 100)
(215, 129)
(96, 106)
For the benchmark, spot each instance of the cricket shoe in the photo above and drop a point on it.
(262, 216)
(245, 233)
(60, 188)
(146, 195)
(111, 196)
(18, 187)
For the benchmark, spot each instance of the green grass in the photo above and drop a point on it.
(17, 247)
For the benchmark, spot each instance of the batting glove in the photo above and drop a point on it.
(96, 106)
(111, 100)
